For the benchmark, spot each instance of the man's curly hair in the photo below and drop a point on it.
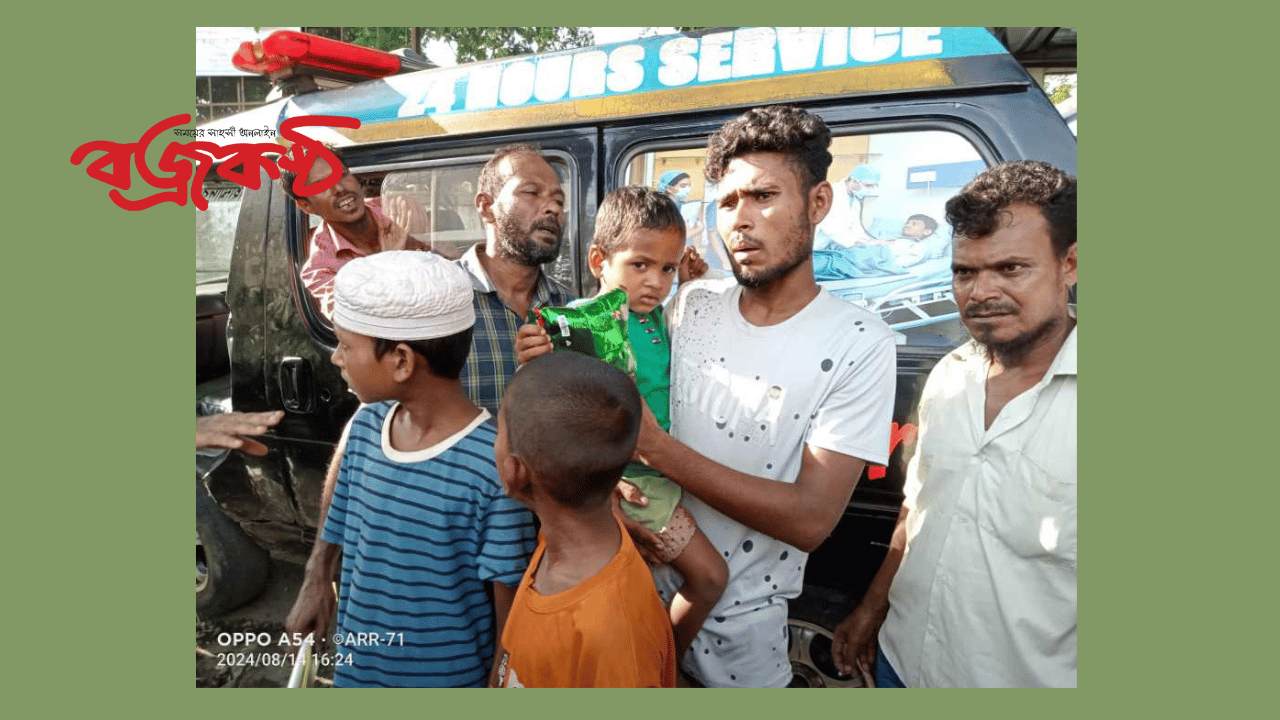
(977, 211)
(802, 137)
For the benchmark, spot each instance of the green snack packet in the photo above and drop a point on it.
(596, 328)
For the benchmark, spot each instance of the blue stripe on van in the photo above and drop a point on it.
(641, 66)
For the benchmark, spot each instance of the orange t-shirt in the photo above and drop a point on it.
(608, 631)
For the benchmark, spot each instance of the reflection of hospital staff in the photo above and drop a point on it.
(677, 184)
(710, 245)
(844, 225)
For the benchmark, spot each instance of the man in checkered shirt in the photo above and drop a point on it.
(522, 207)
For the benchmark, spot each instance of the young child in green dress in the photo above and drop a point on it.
(639, 246)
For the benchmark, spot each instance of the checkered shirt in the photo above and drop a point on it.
(493, 354)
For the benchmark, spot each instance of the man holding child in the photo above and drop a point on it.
(781, 393)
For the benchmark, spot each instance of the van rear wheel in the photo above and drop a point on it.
(810, 622)
(231, 569)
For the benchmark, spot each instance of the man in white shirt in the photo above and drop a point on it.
(978, 588)
(781, 392)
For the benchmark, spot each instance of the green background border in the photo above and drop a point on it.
(99, 500)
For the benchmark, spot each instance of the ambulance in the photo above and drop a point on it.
(915, 113)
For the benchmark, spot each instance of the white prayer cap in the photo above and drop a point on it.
(403, 295)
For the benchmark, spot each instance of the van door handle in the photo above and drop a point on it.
(296, 386)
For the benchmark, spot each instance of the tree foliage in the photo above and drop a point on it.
(380, 38)
(1060, 86)
(470, 43)
(486, 43)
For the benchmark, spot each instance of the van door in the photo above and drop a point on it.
(282, 342)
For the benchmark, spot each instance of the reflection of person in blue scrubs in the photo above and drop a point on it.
(844, 226)
(677, 184)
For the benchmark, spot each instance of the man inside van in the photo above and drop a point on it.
(781, 392)
(522, 208)
(350, 227)
(978, 588)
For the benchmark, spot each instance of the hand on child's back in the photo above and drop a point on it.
(531, 342)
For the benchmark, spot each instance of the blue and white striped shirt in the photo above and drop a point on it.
(421, 532)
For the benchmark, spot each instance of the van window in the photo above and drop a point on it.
(436, 203)
(885, 245)
(216, 231)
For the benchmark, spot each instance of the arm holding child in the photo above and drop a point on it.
(801, 514)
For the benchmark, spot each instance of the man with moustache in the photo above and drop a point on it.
(781, 392)
(522, 208)
(978, 588)
(350, 227)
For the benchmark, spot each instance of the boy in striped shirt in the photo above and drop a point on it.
(417, 513)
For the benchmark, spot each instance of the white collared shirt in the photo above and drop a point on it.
(986, 592)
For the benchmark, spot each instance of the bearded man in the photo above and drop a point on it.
(781, 393)
(522, 208)
(978, 588)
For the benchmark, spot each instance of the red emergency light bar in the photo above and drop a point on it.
(290, 50)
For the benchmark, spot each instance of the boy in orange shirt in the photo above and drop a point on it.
(586, 613)
(639, 247)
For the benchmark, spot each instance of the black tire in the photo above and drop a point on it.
(811, 618)
(231, 569)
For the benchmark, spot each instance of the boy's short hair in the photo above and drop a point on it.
(929, 223)
(803, 138)
(574, 421)
(444, 355)
(629, 209)
(287, 176)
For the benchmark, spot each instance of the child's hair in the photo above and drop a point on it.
(929, 223)
(628, 209)
(444, 355)
(574, 422)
